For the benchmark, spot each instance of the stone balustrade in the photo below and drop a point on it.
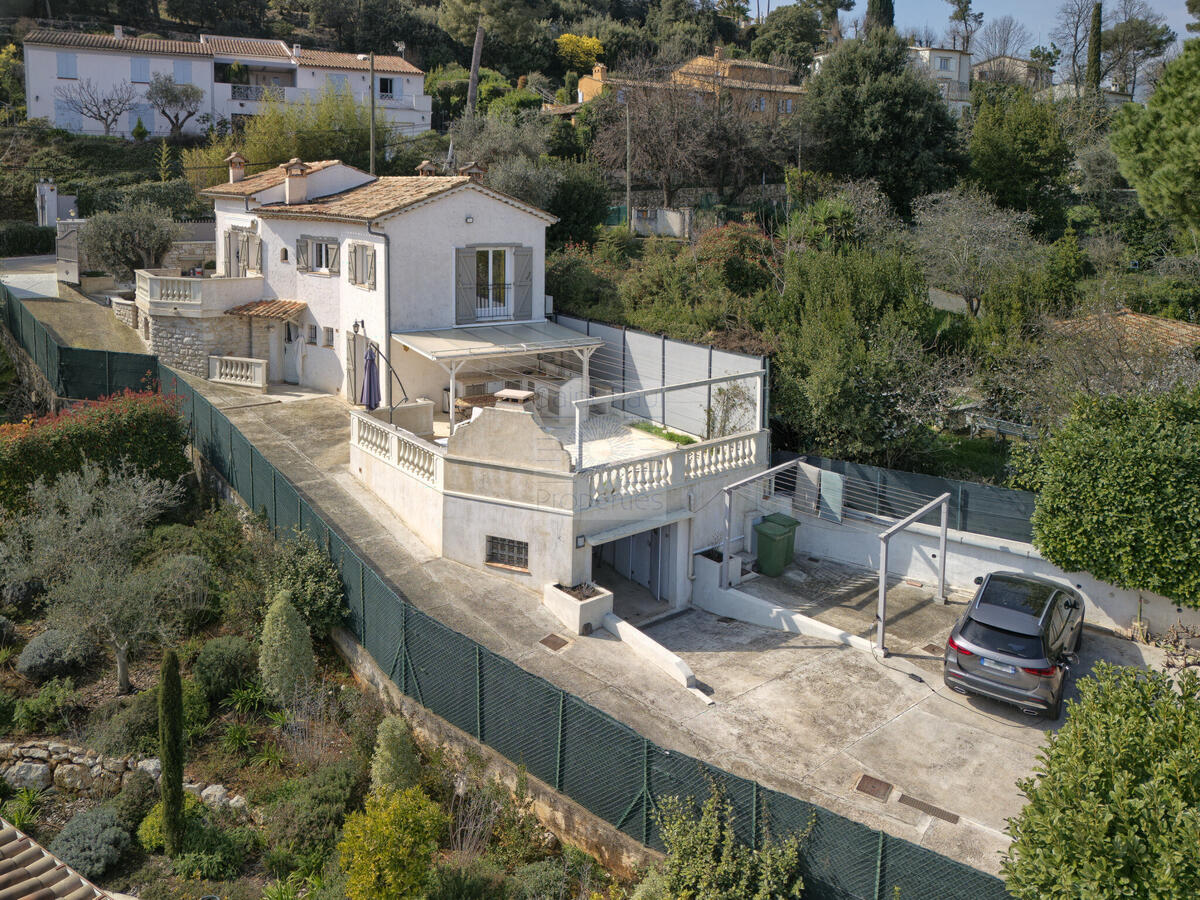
(238, 370)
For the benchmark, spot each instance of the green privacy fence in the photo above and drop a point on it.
(72, 371)
(602, 764)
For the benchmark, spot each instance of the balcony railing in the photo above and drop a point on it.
(255, 92)
(164, 291)
(496, 304)
(412, 455)
(238, 370)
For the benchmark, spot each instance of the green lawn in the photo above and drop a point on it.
(665, 433)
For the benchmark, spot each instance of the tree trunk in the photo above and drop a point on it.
(973, 305)
(122, 655)
(476, 55)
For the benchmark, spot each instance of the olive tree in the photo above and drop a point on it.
(81, 536)
(1114, 809)
(92, 101)
(137, 236)
(175, 102)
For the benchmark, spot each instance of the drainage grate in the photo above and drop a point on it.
(874, 787)
(814, 559)
(553, 641)
(929, 809)
(932, 649)
(726, 620)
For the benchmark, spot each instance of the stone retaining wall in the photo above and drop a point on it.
(75, 770)
(36, 386)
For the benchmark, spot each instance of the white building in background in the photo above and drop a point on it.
(949, 68)
(236, 75)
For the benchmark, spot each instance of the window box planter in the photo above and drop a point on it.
(580, 616)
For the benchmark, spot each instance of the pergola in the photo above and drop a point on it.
(453, 348)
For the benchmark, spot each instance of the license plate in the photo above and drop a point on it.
(998, 666)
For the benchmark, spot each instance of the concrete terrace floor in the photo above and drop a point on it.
(798, 714)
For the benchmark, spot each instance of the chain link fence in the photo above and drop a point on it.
(597, 761)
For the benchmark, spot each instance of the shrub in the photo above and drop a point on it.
(150, 832)
(138, 795)
(301, 568)
(8, 706)
(305, 821)
(142, 429)
(214, 853)
(454, 883)
(170, 751)
(223, 664)
(130, 724)
(286, 660)
(535, 881)
(48, 707)
(395, 764)
(8, 631)
(53, 654)
(92, 841)
(387, 848)
(25, 239)
(652, 887)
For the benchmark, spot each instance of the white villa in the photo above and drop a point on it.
(504, 440)
(236, 74)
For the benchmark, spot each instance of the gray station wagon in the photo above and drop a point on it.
(1015, 642)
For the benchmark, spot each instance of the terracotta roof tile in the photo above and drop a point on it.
(109, 42)
(369, 201)
(269, 309)
(240, 46)
(329, 60)
(272, 177)
(1155, 332)
(29, 871)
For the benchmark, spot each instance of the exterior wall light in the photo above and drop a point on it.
(470, 219)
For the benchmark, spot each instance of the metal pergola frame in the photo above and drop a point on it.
(884, 537)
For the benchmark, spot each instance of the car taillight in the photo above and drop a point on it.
(955, 646)
(1044, 673)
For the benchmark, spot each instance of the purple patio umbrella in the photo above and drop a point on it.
(370, 388)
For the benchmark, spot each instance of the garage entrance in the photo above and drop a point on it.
(638, 570)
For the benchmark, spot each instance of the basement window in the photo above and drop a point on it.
(507, 553)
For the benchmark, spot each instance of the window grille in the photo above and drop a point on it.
(507, 552)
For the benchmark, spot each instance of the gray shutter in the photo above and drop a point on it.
(369, 254)
(523, 283)
(258, 256)
(334, 248)
(302, 254)
(464, 286)
(352, 264)
(243, 262)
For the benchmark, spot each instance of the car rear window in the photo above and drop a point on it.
(1017, 594)
(1026, 646)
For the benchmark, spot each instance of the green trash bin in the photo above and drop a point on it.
(774, 547)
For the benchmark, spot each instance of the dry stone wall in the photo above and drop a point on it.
(81, 772)
(186, 343)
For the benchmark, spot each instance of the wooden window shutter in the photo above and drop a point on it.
(334, 247)
(523, 283)
(302, 254)
(258, 255)
(352, 269)
(369, 255)
(464, 286)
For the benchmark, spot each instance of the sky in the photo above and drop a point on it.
(1036, 15)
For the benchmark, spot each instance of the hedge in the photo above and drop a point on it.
(143, 429)
(25, 239)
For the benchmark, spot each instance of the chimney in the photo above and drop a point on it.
(599, 70)
(295, 181)
(119, 32)
(296, 50)
(474, 171)
(237, 167)
(426, 169)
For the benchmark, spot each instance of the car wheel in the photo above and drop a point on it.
(1078, 638)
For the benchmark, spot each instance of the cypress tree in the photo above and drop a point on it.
(1094, 42)
(880, 14)
(170, 751)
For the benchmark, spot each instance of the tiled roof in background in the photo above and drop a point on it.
(240, 46)
(1153, 332)
(327, 59)
(272, 177)
(30, 872)
(368, 201)
(109, 42)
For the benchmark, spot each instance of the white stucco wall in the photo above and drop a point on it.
(107, 69)
(913, 552)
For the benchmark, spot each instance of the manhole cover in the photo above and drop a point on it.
(553, 641)
(929, 809)
(874, 787)
(726, 620)
(932, 649)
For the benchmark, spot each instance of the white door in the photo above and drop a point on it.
(293, 340)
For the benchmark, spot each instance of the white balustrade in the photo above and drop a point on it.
(722, 455)
(407, 452)
(628, 479)
(169, 293)
(238, 370)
